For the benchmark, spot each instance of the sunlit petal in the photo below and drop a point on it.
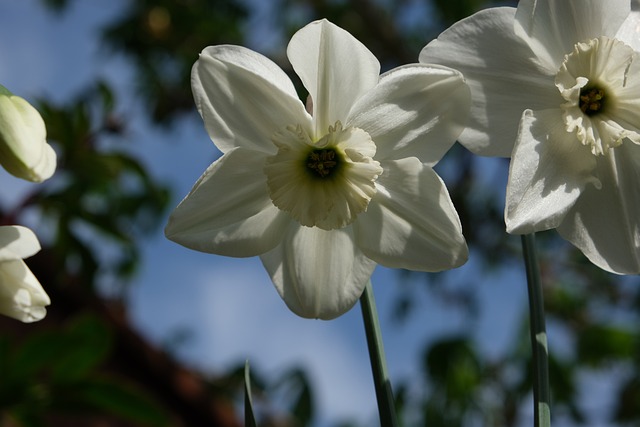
(335, 68)
(228, 211)
(24, 151)
(17, 242)
(549, 170)
(504, 76)
(416, 110)
(605, 222)
(553, 27)
(21, 295)
(629, 31)
(244, 98)
(319, 274)
(411, 222)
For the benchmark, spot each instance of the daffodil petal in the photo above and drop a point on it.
(21, 295)
(503, 74)
(629, 31)
(415, 111)
(553, 27)
(605, 223)
(411, 222)
(319, 274)
(17, 242)
(549, 170)
(626, 114)
(228, 211)
(244, 98)
(335, 68)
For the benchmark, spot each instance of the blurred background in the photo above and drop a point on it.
(143, 332)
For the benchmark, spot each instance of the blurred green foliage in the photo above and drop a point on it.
(102, 197)
(99, 189)
(162, 38)
(53, 373)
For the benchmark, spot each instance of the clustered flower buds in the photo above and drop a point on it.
(24, 153)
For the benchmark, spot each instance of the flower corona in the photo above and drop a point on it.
(326, 183)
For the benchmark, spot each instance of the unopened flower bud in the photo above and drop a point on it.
(24, 151)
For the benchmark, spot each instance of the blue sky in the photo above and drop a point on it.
(229, 305)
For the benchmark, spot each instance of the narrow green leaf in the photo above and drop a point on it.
(249, 418)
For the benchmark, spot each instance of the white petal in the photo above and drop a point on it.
(46, 165)
(318, 273)
(335, 68)
(411, 222)
(629, 31)
(21, 295)
(504, 75)
(228, 211)
(416, 110)
(605, 223)
(553, 27)
(549, 170)
(626, 113)
(24, 151)
(17, 242)
(244, 98)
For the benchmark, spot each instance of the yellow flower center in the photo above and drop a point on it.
(591, 101)
(324, 162)
(324, 183)
(596, 81)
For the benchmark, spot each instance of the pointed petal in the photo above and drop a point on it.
(17, 242)
(411, 222)
(244, 98)
(549, 170)
(21, 295)
(228, 211)
(335, 68)
(503, 73)
(553, 27)
(318, 273)
(605, 223)
(416, 110)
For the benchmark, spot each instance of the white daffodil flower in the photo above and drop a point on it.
(555, 84)
(24, 151)
(21, 295)
(324, 196)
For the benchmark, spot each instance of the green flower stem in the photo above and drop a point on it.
(541, 395)
(384, 395)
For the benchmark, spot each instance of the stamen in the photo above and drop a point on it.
(325, 183)
(591, 101)
(322, 162)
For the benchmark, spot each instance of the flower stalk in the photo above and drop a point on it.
(384, 394)
(539, 348)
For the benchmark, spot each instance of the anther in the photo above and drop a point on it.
(591, 101)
